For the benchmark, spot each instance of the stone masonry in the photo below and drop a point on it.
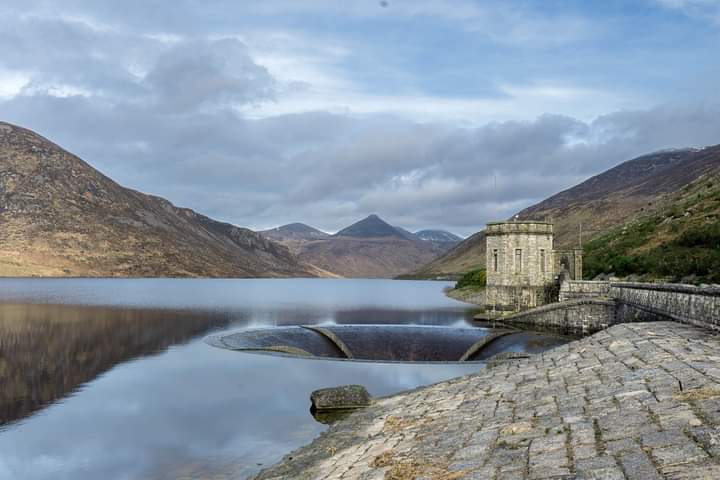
(580, 316)
(573, 289)
(635, 401)
(681, 303)
(521, 264)
(646, 302)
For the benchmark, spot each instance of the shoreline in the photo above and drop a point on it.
(470, 295)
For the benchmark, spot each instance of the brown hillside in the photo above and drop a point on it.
(381, 257)
(59, 217)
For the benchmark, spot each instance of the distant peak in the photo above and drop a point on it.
(295, 230)
(370, 226)
(438, 236)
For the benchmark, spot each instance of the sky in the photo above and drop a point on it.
(431, 113)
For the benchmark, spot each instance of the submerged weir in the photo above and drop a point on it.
(387, 343)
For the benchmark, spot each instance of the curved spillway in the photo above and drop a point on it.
(389, 343)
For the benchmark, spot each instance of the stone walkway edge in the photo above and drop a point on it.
(635, 401)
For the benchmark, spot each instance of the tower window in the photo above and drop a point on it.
(542, 261)
(518, 260)
(495, 260)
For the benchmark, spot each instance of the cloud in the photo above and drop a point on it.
(197, 74)
(705, 9)
(330, 169)
(279, 119)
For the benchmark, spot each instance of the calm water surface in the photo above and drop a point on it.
(111, 379)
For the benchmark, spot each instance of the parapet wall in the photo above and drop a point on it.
(519, 227)
(699, 306)
(573, 289)
(587, 307)
(581, 316)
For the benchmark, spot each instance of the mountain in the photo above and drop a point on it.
(407, 234)
(463, 257)
(61, 217)
(371, 226)
(369, 248)
(438, 236)
(295, 236)
(380, 257)
(631, 190)
(294, 231)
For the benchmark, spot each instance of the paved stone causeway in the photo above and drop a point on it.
(635, 401)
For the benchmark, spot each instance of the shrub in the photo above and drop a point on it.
(707, 235)
(473, 278)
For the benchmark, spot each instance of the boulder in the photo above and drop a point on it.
(340, 398)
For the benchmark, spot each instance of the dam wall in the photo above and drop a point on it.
(588, 307)
(579, 316)
(699, 306)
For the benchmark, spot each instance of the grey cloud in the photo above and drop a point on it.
(158, 117)
(267, 172)
(199, 74)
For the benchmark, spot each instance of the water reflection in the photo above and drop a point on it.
(47, 351)
(117, 383)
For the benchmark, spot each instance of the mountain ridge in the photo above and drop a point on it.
(431, 235)
(368, 248)
(296, 230)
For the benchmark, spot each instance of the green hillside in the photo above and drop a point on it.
(679, 242)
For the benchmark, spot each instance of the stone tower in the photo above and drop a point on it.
(520, 264)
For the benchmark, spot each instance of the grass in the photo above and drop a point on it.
(679, 243)
(698, 394)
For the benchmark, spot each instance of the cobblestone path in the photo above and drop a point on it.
(636, 401)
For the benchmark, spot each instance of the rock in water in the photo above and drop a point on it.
(340, 398)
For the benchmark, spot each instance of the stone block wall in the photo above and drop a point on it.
(573, 289)
(568, 263)
(698, 306)
(583, 316)
(586, 307)
(504, 298)
(519, 264)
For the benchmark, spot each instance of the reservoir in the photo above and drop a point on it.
(117, 378)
